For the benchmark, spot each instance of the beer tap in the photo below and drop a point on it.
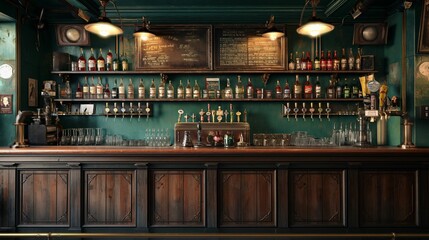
(180, 115)
(238, 113)
(225, 113)
(123, 110)
(213, 115)
(147, 109)
(320, 110)
(193, 117)
(131, 110)
(219, 114)
(107, 110)
(186, 117)
(287, 110)
(202, 115)
(208, 113)
(231, 113)
(115, 110)
(328, 110)
(139, 110)
(304, 110)
(296, 110)
(311, 111)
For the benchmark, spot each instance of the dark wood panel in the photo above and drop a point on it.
(178, 198)
(387, 198)
(316, 198)
(44, 197)
(7, 198)
(110, 198)
(247, 198)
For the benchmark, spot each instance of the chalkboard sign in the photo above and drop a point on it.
(243, 47)
(176, 47)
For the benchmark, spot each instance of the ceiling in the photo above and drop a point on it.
(206, 11)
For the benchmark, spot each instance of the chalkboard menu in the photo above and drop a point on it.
(176, 47)
(243, 47)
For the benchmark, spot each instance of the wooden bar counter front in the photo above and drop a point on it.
(219, 190)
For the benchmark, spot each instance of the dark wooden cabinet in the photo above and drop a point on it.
(7, 198)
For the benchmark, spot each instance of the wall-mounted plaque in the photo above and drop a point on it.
(243, 47)
(176, 47)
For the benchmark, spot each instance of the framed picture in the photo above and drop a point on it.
(424, 29)
(212, 86)
(86, 109)
(6, 102)
(32, 92)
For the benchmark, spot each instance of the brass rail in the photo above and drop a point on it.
(392, 236)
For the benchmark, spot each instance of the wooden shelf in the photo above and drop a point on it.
(208, 72)
(211, 100)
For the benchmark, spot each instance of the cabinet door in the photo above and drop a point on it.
(44, 197)
(316, 198)
(247, 198)
(7, 198)
(178, 198)
(110, 198)
(387, 198)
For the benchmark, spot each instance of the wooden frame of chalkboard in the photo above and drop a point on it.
(176, 47)
(242, 47)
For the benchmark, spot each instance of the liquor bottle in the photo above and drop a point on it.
(106, 93)
(196, 90)
(114, 92)
(318, 88)
(109, 61)
(303, 62)
(250, 89)
(329, 62)
(115, 63)
(188, 90)
(92, 62)
(161, 89)
(339, 89)
(336, 62)
(85, 89)
(100, 62)
(93, 89)
(67, 90)
(121, 89)
(316, 62)
(130, 88)
(79, 93)
(346, 89)
(297, 88)
(358, 59)
(308, 88)
(330, 92)
(343, 60)
(228, 90)
(239, 89)
(351, 60)
(81, 62)
(124, 62)
(141, 90)
(170, 90)
(309, 62)
(355, 89)
(180, 90)
(323, 62)
(152, 89)
(297, 62)
(278, 90)
(291, 65)
(99, 89)
(286, 90)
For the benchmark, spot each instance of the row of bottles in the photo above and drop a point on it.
(109, 63)
(328, 63)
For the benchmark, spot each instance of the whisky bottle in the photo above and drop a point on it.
(239, 89)
(188, 90)
(81, 62)
(99, 89)
(286, 90)
(336, 62)
(79, 93)
(115, 63)
(297, 88)
(114, 92)
(318, 88)
(329, 62)
(196, 90)
(124, 62)
(85, 89)
(351, 60)
(92, 62)
(316, 62)
(250, 89)
(130, 88)
(291, 64)
(100, 62)
(161, 89)
(67, 90)
(346, 89)
(339, 89)
(93, 89)
(297, 62)
(170, 90)
(106, 93)
(355, 89)
(141, 90)
(309, 62)
(303, 62)
(323, 63)
(152, 89)
(358, 59)
(308, 88)
(180, 90)
(228, 90)
(330, 91)
(343, 60)
(109, 61)
(121, 89)
(278, 90)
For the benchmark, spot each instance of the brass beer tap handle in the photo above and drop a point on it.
(328, 110)
(180, 111)
(238, 113)
(202, 113)
(147, 109)
(226, 115)
(304, 110)
(311, 111)
(296, 110)
(320, 110)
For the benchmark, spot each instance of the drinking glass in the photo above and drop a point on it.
(99, 136)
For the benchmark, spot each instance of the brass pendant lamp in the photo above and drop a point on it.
(315, 26)
(103, 26)
(144, 33)
(272, 32)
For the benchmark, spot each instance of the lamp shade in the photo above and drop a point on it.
(143, 33)
(315, 27)
(273, 33)
(103, 27)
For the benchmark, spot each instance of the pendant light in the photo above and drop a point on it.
(103, 26)
(315, 26)
(144, 32)
(272, 32)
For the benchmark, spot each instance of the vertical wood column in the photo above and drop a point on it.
(75, 196)
(352, 199)
(282, 198)
(7, 197)
(142, 213)
(212, 197)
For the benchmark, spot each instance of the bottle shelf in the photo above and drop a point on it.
(212, 100)
(211, 72)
